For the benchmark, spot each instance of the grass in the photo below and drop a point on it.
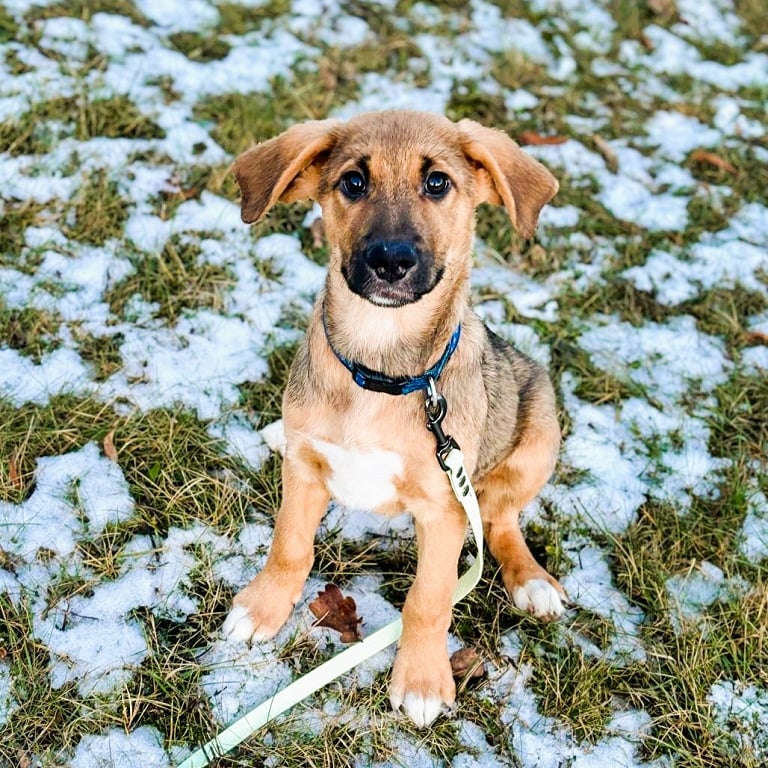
(179, 475)
(175, 281)
(38, 130)
(30, 331)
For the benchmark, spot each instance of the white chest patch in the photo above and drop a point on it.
(361, 479)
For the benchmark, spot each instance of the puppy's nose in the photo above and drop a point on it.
(391, 260)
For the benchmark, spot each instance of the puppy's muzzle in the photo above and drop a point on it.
(391, 261)
(391, 273)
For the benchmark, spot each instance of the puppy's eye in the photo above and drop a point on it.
(436, 185)
(353, 185)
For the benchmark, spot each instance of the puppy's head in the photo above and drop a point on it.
(398, 191)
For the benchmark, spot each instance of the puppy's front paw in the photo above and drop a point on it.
(258, 611)
(421, 685)
(240, 625)
(539, 598)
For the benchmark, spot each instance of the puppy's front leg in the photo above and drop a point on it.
(421, 677)
(261, 608)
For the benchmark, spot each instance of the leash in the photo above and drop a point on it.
(451, 460)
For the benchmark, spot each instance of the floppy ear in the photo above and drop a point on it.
(282, 168)
(507, 176)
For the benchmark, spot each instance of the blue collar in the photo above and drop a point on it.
(397, 385)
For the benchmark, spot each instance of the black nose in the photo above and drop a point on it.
(391, 260)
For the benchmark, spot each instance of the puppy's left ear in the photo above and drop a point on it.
(284, 168)
(506, 175)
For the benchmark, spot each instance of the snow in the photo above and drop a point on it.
(649, 445)
(139, 749)
(753, 538)
(690, 594)
(7, 703)
(741, 712)
(590, 586)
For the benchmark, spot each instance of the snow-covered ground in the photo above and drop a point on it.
(96, 639)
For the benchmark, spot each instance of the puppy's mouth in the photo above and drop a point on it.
(391, 273)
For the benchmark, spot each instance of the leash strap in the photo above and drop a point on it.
(452, 462)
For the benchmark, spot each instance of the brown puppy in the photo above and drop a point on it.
(398, 191)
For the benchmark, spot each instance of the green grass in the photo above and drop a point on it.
(32, 332)
(39, 129)
(97, 213)
(175, 280)
(85, 10)
(199, 47)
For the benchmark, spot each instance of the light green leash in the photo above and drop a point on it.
(451, 460)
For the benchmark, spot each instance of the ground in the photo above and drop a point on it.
(145, 334)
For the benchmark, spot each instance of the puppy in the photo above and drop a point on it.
(398, 190)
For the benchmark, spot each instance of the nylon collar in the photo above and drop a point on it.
(376, 381)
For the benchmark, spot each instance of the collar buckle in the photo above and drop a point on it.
(377, 382)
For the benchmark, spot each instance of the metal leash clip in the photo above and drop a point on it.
(436, 407)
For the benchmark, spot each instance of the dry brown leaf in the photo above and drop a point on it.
(710, 158)
(109, 446)
(14, 475)
(755, 337)
(3, 653)
(467, 663)
(333, 610)
(534, 139)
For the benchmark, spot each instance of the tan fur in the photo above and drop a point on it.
(501, 404)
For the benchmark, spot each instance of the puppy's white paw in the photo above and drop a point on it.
(274, 436)
(539, 598)
(421, 709)
(239, 626)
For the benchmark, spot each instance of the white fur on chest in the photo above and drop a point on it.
(361, 479)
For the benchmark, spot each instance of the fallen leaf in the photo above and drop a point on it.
(710, 158)
(536, 139)
(756, 337)
(109, 446)
(333, 610)
(3, 653)
(467, 663)
(13, 473)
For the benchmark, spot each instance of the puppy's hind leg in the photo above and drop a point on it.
(263, 606)
(502, 493)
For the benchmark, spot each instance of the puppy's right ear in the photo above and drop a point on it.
(284, 168)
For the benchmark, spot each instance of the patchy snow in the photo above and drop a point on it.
(718, 261)
(690, 594)
(540, 741)
(590, 586)
(741, 712)
(753, 537)
(7, 702)
(139, 749)
(75, 495)
(664, 359)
